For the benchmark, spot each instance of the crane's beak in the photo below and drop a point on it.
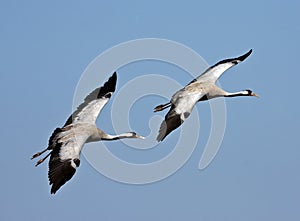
(140, 137)
(255, 95)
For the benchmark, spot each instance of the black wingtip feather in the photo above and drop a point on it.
(105, 90)
(58, 179)
(109, 86)
(167, 126)
(60, 171)
(171, 122)
(235, 60)
(244, 56)
(52, 140)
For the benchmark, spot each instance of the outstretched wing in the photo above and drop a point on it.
(213, 73)
(89, 110)
(66, 144)
(172, 121)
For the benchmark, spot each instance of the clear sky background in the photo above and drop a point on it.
(45, 47)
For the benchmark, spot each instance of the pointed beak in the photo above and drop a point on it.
(140, 137)
(255, 95)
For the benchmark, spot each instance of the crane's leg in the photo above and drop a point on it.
(162, 107)
(39, 153)
(42, 160)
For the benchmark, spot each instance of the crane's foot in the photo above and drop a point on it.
(43, 159)
(38, 154)
(39, 162)
(158, 108)
(161, 107)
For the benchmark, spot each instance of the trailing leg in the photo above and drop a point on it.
(162, 107)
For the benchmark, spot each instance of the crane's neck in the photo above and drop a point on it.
(119, 136)
(100, 135)
(237, 94)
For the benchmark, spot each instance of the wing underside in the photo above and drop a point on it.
(89, 110)
(214, 72)
(60, 171)
(171, 122)
(66, 145)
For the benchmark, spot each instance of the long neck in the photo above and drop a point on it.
(236, 94)
(103, 136)
(100, 135)
(116, 137)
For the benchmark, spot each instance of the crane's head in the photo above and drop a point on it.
(134, 135)
(249, 93)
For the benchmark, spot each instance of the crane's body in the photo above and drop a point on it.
(202, 88)
(66, 143)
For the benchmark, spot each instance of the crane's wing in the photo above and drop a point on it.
(172, 121)
(89, 110)
(66, 145)
(213, 73)
(183, 103)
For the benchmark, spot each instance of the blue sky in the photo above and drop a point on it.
(45, 47)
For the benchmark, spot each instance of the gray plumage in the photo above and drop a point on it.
(66, 143)
(200, 89)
